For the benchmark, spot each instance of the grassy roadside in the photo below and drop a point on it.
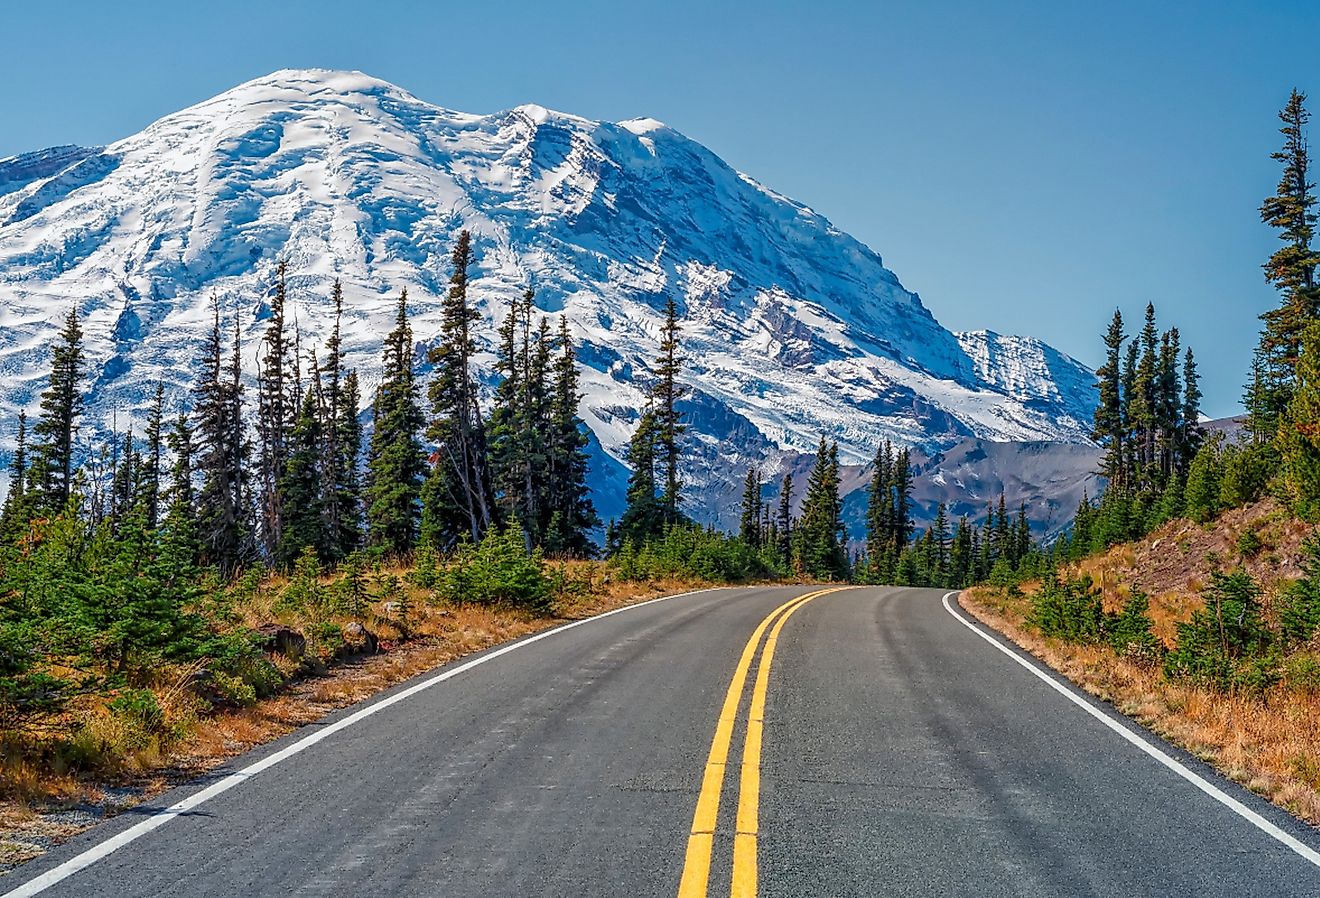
(1268, 741)
(42, 805)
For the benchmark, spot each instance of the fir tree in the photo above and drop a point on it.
(150, 486)
(820, 536)
(749, 527)
(665, 394)
(1299, 433)
(61, 405)
(396, 463)
(784, 519)
(1108, 429)
(220, 518)
(1192, 433)
(459, 500)
(572, 514)
(275, 413)
(643, 516)
(341, 445)
(1291, 268)
(300, 488)
(347, 480)
(16, 513)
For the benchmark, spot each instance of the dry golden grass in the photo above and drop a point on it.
(436, 635)
(1270, 744)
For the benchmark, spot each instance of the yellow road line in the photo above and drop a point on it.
(696, 862)
(749, 782)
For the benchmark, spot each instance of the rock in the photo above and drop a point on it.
(390, 609)
(358, 640)
(201, 683)
(281, 640)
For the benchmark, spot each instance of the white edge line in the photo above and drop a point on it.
(1164, 758)
(160, 818)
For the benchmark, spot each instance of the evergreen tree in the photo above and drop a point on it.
(643, 516)
(572, 514)
(220, 519)
(880, 523)
(16, 512)
(300, 488)
(348, 478)
(1299, 433)
(820, 546)
(150, 486)
(902, 520)
(337, 398)
(1291, 268)
(275, 413)
(459, 498)
(1201, 494)
(61, 405)
(1109, 428)
(665, 394)
(180, 499)
(396, 463)
(784, 519)
(1192, 433)
(749, 527)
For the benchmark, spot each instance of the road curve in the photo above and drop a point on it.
(900, 753)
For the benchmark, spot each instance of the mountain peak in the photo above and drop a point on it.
(794, 328)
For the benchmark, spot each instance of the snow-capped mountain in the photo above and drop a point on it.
(792, 328)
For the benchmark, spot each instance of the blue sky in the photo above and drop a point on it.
(1024, 166)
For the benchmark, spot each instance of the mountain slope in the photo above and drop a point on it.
(792, 328)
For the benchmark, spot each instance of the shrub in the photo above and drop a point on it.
(1246, 472)
(1249, 544)
(1070, 610)
(1129, 632)
(1299, 605)
(1226, 643)
(426, 568)
(1201, 496)
(499, 571)
(689, 551)
(304, 591)
(353, 597)
(1301, 672)
(140, 708)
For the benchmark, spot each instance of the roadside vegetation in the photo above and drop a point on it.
(243, 549)
(1189, 596)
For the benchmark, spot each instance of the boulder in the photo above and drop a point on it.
(281, 640)
(358, 640)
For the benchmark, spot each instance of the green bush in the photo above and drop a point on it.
(140, 708)
(1201, 496)
(1070, 610)
(1226, 644)
(1246, 471)
(1299, 605)
(426, 568)
(1129, 632)
(1249, 544)
(686, 552)
(304, 592)
(499, 571)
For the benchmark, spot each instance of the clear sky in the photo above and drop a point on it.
(1025, 167)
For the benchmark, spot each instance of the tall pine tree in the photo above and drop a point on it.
(396, 463)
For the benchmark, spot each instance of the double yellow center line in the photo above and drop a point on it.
(701, 841)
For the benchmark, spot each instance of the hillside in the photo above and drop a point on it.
(1259, 728)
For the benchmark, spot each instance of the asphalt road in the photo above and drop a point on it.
(900, 754)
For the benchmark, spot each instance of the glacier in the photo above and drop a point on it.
(792, 328)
